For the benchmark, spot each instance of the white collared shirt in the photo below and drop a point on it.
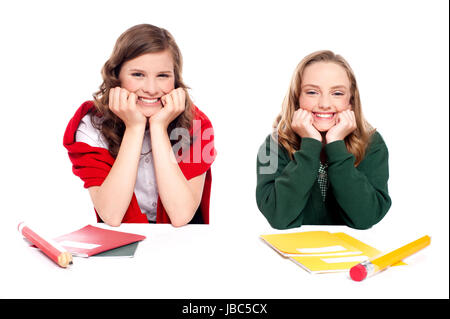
(145, 189)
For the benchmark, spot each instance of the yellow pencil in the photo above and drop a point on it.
(372, 266)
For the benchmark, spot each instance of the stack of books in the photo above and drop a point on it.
(321, 251)
(85, 242)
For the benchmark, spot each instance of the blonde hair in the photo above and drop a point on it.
(356, 142)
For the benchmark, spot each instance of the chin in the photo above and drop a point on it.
(149, 112)
(322, 129)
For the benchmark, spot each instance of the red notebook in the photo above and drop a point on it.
(91, 240)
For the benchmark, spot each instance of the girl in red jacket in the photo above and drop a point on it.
(142, 148)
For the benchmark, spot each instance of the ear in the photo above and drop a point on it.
(352, 103)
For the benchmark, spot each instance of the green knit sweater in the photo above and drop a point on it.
(288, 193)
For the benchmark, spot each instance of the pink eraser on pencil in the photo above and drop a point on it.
(358, 272)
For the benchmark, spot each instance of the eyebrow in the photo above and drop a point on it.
(333, 87)
(140, 70)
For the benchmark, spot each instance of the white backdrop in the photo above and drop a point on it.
(238, 60)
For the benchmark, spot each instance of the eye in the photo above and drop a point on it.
(311, 92)
(163, 75)
(338, 93)
(137, 74)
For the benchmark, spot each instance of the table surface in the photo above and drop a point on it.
(206, 261)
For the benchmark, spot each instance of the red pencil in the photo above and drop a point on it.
(53, 250)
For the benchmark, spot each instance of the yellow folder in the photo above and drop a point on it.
(321, 251)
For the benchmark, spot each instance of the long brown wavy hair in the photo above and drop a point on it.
(134, 42)
(356, 142)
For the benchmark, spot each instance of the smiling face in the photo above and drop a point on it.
(150, 76)
(325, 91)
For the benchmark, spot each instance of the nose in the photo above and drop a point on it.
(325, 102)
(150, 87)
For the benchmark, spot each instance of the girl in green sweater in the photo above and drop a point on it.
(323, 164)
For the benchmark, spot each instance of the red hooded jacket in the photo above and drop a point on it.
(92, 164)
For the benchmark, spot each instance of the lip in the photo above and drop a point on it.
(324, 116)
(140, 100)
